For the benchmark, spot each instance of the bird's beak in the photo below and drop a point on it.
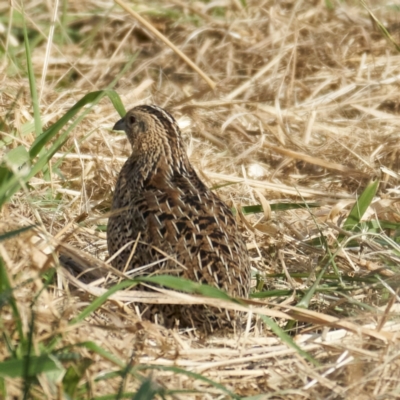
(120, 125)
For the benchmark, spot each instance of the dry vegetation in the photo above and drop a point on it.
(306, 108)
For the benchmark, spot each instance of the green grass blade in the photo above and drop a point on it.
(381, 27)
(16, 368)
(6, 297)
(186, 285)
(171, 282)
(9, 235)
(306, 299)
(287, 339)
(16, 157)
(100, 301)
(29, 358)
(190, 374)
(10, 185)
(3, 389)
(95, 348)
(272, 293)
(93, 306)
(257, 208)
(31, 77)
(11, 182)
(361, 205)
(116, 101)
(13, 168)
(90, 98)
(147, 391)
(74, 374)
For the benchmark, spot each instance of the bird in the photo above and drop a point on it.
(165, 220)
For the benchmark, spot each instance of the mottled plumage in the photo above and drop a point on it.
(160, 203)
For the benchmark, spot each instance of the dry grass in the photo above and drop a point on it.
(306, 107)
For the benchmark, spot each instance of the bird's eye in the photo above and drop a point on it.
(132, 119)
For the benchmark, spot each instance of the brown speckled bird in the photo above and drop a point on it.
(160, 203)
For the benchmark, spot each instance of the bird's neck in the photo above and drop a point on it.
(152, 160)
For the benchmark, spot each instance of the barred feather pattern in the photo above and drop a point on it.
(169, 222)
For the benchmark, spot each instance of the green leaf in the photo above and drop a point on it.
(147, 391)
(74, 374)
(17, 157)
(15, 368)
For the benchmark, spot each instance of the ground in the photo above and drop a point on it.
(291, 117)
